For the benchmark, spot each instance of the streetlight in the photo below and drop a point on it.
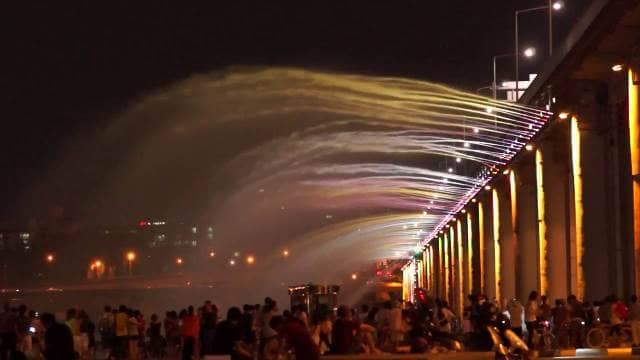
(131, 256)
(354, 276)
(550, 7)
(285, 252)
(49, 258)
(494, 87)
(251, 259)
(178, 261)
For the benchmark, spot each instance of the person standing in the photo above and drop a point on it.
(58, 339)
(531, 315)
(121, 333)
(190, 331)
(7, 333)
(516, 310)
(106, 328)
(634, 318)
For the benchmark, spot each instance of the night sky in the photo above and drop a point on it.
(68, 70)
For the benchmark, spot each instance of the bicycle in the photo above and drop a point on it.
(602, 336)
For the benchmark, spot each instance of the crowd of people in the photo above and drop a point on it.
(262, 331)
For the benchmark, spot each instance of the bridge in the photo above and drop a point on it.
(563, 217)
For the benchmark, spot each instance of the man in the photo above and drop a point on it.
(208, 321)
(190, 331)
(106, 328)
(344, 332)
(516, 311)
(58, 339)
(121, 333)
(634, 318)
(229, 334)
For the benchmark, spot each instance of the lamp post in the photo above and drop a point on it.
(131, 256)
(550, 7)
(494, 87)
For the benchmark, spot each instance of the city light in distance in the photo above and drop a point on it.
(49, 258)
(232, 262)
(529, 52)
(131, 256)
(179, 261)
(285, 252)
(354, 276)
(558, 5)
(212, 254)
(617, 67)
(251, 259)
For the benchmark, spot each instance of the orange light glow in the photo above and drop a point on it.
(131, 256)
(542, 225)
(251, 259)
(179, 261)
(634, 144)
(49, 258)
(496, 242)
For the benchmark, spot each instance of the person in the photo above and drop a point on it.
(364, 312)
(344, 332)
(560, 315)
(297, 338)
(544, 313)
(516, 310)
(58, 339)
(619, 313)
(300, 313)
(121, 333)
(446, 317)
(271, 346)
(634, 319)
(106, 328)
(172, 332)
(208, 321)
(228, 334)
(156, 342)
(190, 332)
(23, 337)
(531, 315)
(87, 332)
(7, 333)
(132, 334)
(321, 333)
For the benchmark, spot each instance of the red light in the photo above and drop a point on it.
(379, 273)
(142, 223)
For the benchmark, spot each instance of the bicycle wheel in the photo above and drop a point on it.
(595, 338)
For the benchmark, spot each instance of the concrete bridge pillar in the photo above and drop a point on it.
(557, 210)
(507, 239)
(527, 274)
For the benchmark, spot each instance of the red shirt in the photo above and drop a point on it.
(190, 326)
(299, 339)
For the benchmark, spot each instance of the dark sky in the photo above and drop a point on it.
(67, 69)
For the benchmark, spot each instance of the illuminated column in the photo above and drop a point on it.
(557, 209)
(594, 182)
(441, 273)
(542, 226)
(453, 268)
(469, 253)
(526, 227)
(495, 226)
(634, 146)
(460, 269)
(481, 254)
(507, 241)
(445, 251)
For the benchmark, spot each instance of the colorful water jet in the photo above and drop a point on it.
(346, 166)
